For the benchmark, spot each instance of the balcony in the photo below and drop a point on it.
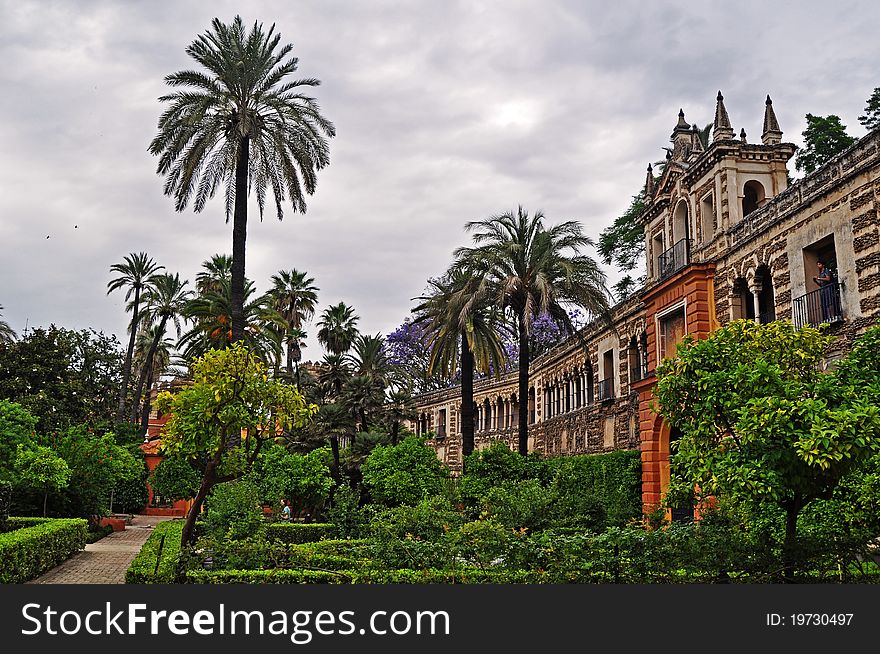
(674, 259)
(822, 306)
(605, 390)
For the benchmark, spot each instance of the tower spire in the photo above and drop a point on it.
(649, 183)
(721, 128)
(697, 146)
(772, 134)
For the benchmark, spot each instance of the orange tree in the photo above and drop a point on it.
(222, 421)
(762, 423)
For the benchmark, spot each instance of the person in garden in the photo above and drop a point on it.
(285, 510)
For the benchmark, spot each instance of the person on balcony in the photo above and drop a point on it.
(825, 280)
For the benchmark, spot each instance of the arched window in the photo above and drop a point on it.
(633, 360)
(680, 222)
(753, 196)
(766, 296)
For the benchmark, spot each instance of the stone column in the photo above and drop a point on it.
(755, 288)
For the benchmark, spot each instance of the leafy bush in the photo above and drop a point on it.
(346, 513)
(598, 489)
(97, 533)
(303, 479)
(175, 478)
(296, 532)
(412, 536)
(520, 505)
(131, 495)
(159, 558)
(404, 473)
(495, 465)
(33, 548)
(234, 511)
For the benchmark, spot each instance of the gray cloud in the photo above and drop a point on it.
(446, 112)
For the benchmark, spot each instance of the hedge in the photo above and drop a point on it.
(157, 561)
(362, 576)
(614, 480)
(37, 545)
(300, 532)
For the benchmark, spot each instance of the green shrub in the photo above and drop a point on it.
(521, 505)
(37, 546)
(404, 473)
(159, 558)
(496, 464)
(351, 519)
(234, 511)
(412, 536)
(266, 577)
(175, 478)
(97, 533)
(366, 576)
(611, 481)
(296, 532)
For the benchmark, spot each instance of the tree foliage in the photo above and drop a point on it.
(303, 479)
(761, 423)
(175, 478)
(16, 429)
(404, 473)
(824, 137)
(63, 377)
(226, 416)
(871, 119)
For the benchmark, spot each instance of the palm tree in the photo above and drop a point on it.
(165, 298)
(215, 271)
(363, 396)
(242, 123)
(159, 363)
(463, 334)
(212, 329)
(294, 296)
(531, 270)
(337, 328)
(134, 273)
(400, 407)
(369, 359)
(7, 335)
(334, 373)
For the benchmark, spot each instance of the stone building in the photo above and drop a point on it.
(727, 236)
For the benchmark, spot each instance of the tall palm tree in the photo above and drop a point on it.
(241, 122)
(7, 335)
(335, 371)
(161, 358)
(531, 270)
(134, 273)
(212, 328)
(165, 300)
(400, 407)
(337, 328)
(215, 271)
(368, 359)
(294, 296)
(363, 396)
(463, 334)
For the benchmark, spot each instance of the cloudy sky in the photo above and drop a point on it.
(445, 112)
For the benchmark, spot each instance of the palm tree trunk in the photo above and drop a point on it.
(129, 355)
(334, 447)
(239, 236)
(523, 385)
(147, 371)
(467, 397)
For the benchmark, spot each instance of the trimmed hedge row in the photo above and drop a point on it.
(157, 561)
(299, 532)
(37, 545)
(432, 576)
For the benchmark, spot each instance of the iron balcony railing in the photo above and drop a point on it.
(605, 389)
(674, 259)
(822, 306)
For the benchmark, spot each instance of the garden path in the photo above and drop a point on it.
(105, 561)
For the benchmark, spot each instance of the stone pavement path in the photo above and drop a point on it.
(105, 561)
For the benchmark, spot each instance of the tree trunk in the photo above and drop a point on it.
(208, 480)
(789, 547)
(45, 499)
(467, 398)
(523, 385)
(395, 429)
(239, 236)
(334, 447)
(147, 373)
(129, 355)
